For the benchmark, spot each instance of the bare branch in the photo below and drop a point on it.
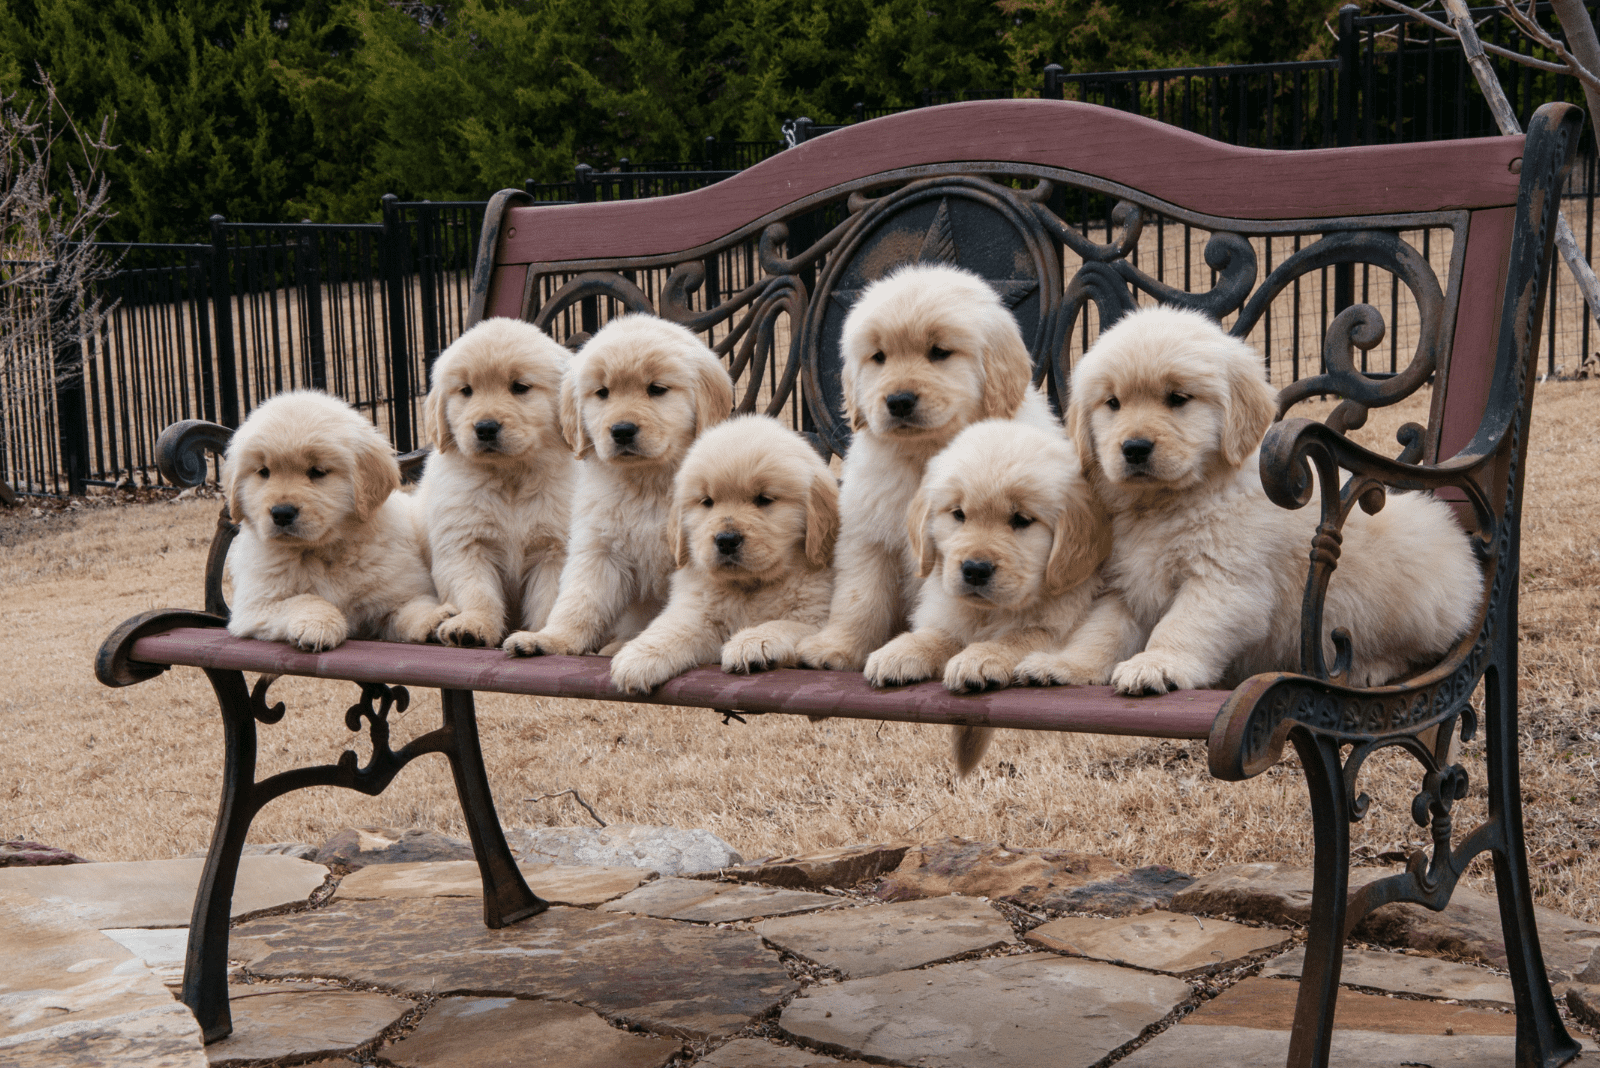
(576, 796)
(1504, 53)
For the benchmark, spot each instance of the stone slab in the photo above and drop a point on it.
(1402, 973)
(1158, 941)
(512, 1033)
(842, 868)
(888, 938)
(302, 1020)
(654, 974)
(1469, 926)
(300, 850)
(459, 878)
(159, 893)
(69, 996)
(356, 847)
(1268, 1004)
(1186, 1046)
(1583, 1002)
(161, 949)
(757, 1053)
(699, 902)
(1033, 878)
(668, 850)
(1023, 1011)
(20, 854)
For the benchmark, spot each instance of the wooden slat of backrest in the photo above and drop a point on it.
(1468, 369)
(1182, 168)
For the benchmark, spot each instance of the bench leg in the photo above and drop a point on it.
(1319, 979)
(205, 968)
(506, 896)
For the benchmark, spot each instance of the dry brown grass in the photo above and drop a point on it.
(134, 773)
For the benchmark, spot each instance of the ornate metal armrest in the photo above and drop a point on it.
(181, 450)
(112, 665)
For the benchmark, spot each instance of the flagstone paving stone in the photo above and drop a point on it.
(758, 1053)
(71, 996)
(701, 902)
(161, 949)
(1186, 1046)
(842, 868)
(1583, 1002)
(653, 974)
(1159, 941)
(159, 893)
(1402, 973)
(1034, 1009)
(557, 884)
(514, 1033)
(1269, 1004)
(890, 938)
(302, 1019)
(668, 850)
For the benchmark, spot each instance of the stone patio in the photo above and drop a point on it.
(967, 954)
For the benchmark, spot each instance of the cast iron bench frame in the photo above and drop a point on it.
(943, 169)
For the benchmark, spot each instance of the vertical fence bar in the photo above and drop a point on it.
(222, 315)
(72, 414)
(393, 256)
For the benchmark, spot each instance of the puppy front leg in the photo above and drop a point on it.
(593, 591)
(1107, 636)
(682, 637)
(867, 596)
(912, 657)
(991, 665)
(418, 619)
(310, 622)
(470, 579)
(1209, 623)
(539, 591)
(764, 646)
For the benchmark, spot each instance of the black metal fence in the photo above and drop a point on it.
(210, 330)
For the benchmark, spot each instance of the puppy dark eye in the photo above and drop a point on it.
(466, 391)
(958, 515)
(264, 473)
(877, 357)
(936, 354)
(1114, 404)
(520, 388)
(1020, 521)
(1176, 400)
(602, 393)
(316, 473)
(762, 500)
(654, 390)
(707, 501)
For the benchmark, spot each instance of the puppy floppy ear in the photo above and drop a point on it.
(434, 421)
(1082, 542)
(1007, 370)
(570, 411)
(233, 475)
(713, 393)
(1078, 428)
(919, 526)
(376, 474)
(822, 519)
(1251, 407)
(675, 539)
(853, 414)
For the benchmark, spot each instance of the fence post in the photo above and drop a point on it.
(222, 316)
(1344, 274)
(860, 111)
(72, 412)
(393, 255)
(1054, 87)
(711, 156)
(308, 277)
(430, 257)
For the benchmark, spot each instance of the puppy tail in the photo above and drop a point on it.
(967, 746)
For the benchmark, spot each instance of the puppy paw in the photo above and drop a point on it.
(315, 630)
(637, 672)
(1154, 673)
(750, 651)
(825, 651)
(900, 663)
(418, 622)
(545, 642)
(1054, 669)
(471, 630)
(976, 669)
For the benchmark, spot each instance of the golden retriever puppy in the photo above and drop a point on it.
(1206, 573)
(327, 547)
(754, 516)
(495, 495)
(927, 350)
(632, 402)
(1011, 535)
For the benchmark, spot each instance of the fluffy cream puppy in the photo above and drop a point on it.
(927, 350)
(632, 402)
(1009, 536)
(754, 516)
(495, 495)
(1206, 573)
(327, 547)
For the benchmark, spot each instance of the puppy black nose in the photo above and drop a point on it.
(622, 433)
(901, 404)
(486, 429)
(1137, 450)
(728, 542)
(977, 572)
(283, 514)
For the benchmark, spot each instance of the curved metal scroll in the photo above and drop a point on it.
(181, 450)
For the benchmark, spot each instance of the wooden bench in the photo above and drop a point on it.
(1006, 188)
